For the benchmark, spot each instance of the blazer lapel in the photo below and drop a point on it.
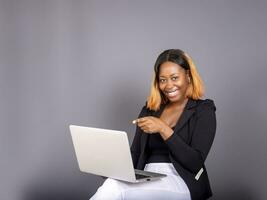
(185, 116)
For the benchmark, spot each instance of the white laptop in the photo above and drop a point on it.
(107, 153)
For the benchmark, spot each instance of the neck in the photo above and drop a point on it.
(179, 104)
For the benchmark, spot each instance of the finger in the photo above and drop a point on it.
(145, 128)
(139, 120)
(142, 125)
(147, 131)
(134, 121)
(144, 121)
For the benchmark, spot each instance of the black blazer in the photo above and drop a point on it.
(188, 146)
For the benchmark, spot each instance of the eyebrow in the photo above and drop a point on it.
(170, 75)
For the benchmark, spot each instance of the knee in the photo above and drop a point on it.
(109, 190)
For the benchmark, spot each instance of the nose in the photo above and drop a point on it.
(169, 84)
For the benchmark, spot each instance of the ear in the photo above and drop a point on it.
(188, 76)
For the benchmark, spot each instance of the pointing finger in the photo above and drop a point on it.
(138, 120)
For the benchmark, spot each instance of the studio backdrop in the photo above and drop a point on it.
(80, 62)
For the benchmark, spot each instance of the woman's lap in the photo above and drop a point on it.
(165, 188)
(170, 187)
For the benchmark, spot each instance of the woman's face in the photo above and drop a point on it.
(173, 81)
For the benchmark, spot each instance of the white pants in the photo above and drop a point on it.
(170, 187)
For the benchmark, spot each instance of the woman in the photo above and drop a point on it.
(175, 131)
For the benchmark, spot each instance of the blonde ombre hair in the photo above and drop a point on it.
(195, 89)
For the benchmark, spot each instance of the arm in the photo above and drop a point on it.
(193, 156)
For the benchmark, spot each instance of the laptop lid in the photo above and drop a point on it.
(103, 152)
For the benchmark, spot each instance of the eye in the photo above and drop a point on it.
(162, 80)
(175, 78)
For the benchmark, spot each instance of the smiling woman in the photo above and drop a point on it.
(174, 133)
(173, 81)
(178, 66)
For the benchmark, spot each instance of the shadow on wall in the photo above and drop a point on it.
(80, 189)
(54, 194)
(234, 194)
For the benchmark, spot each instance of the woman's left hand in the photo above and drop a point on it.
(151, 124)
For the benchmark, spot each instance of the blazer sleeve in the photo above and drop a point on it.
(136, 144)
(192, 156)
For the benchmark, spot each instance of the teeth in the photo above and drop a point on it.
(173, 93)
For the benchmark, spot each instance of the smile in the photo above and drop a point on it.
(172, 93)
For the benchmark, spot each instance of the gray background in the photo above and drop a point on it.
(90, 63)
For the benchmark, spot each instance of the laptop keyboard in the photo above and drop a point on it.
(139, 176)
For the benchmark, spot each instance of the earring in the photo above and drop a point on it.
(189, 80)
